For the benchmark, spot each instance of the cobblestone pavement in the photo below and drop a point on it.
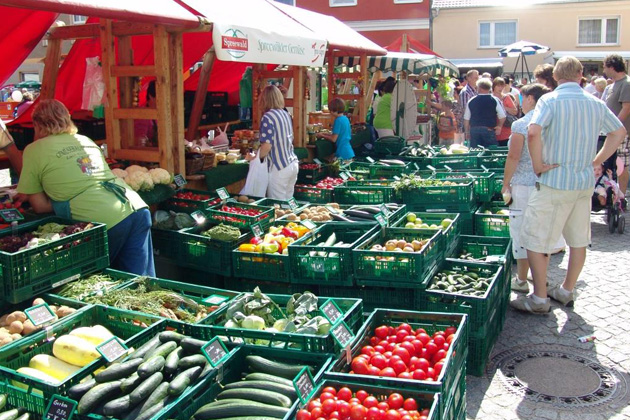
(602, 308)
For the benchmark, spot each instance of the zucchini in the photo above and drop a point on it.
(192, 345)
(208, 412)
(151, 366)
(3, 400)
(191, 361)
(79, 390)
(260, 395)
(340, 218)
(11, 414)
(98, 394)
(145, 348)
(166, 336)
(129, 384)
(115, 408)
(260, 364)
(181, 381)
(156, 396)
(172, 360)
(162, 350)
(359, 213)
(288, 391)
(118, 371)
(257, 376)
(145, 389)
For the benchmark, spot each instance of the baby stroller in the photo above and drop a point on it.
(615, 204)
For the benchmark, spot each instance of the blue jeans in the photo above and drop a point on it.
(130, 245)
(482, 136)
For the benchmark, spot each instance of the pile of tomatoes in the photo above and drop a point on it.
(341, 404)
(241, 210)
(404, 353)
(189, 195)
(327, 183)
(10, 205)
(309, 166)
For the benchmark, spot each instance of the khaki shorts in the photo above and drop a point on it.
(552, 213)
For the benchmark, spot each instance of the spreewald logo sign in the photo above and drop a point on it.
(235, 43)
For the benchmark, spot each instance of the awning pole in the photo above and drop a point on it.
(200, 95)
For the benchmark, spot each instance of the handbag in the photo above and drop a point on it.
(509, 118)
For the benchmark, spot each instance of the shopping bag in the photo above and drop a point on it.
(257, 178)
(222, 138)
(93, 85)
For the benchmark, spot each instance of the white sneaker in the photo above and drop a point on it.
(518, 286)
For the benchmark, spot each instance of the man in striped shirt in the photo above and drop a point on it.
(469, 91)
(562, 140)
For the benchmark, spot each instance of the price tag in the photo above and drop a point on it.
(215, 351)
(331, 209)
(285, 206)
(198, 216)
(293, 205)
(112, 349)
(304, 385)
(369, 159)
(60, 408)
(415, 165)
(495, 259)
(331, 311)
(342, 334)
(386, 212)
(257, 230)
(223, 194)
(179, 180)
(308, 224)
(11, 215)
(343, 176)
(40, 314)
(317, 161)
(215, 299)
(431, 168)
(397, 178)
(381, 219)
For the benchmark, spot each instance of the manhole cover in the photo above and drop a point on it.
(559, 376)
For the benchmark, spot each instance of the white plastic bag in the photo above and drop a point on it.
(93, 85)
(222, 138)
(257, 178)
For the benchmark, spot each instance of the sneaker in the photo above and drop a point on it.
(560, 296)
(517, 286)
(527, 304)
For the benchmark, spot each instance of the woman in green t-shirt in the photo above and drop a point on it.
(382, 118)
(66, 173)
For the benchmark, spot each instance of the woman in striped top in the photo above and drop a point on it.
(276, 142)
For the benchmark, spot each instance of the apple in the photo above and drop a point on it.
(446, 223)
(410, 225)
(411, 217)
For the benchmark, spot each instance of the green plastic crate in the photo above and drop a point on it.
(313, 194)
(312, 175)
(492, 161)
(376, 170)
(183, 205)
(374, 297)
(467, 220)
(483, 182)
(446, 198)
(274, 287)
(31, 271)
(363, 195)
(353, 317)
(389, 145)
(488, 249)
(480, 346)
(166, 243)
(370, 183)
(461, 161)
(123, 324)
(399, 269)
(205, 254)
(492, 224)
(453, 372)
(334, 266)
(218, 215)
(449, 237)
(283, 204)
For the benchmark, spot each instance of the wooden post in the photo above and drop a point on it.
(125, 58)
(51, 69)
(176, 61)
(299, 108)
(258, 84)
(332, 87)
(362, 103)
(404, 46)
(200, 95)
(108, 59)
(163, 98)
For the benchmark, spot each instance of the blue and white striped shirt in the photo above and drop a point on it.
(571, 120)
(276, 128)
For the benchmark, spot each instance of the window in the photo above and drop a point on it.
(289, 2)
(598, 31)
(29, 77)
(78, 19)
(497, 34)
(338, 3)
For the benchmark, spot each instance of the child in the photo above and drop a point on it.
(341, 132)
(601, 183)
(447, 124)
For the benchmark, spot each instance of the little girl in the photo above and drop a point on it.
(447, 124)
(341, 132)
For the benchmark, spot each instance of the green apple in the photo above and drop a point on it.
(411, 217)
(424, 226)
(410, 225)
(446, 223)
(504, 212)
(434, 226)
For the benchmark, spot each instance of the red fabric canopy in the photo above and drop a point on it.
(413, 46)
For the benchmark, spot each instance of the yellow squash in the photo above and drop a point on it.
(52, 366)
(95, 335)
(75, 350)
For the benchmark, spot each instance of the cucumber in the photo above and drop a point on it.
(3, 400)
(151, 412)
(79, 390)
(115, 408)
(151, 366)
(11, 414)
(166, 336)
(208, 412)
(288, 391)
(260, 364)
(156, 396)
(162, 350)
(25, 416)
(192, 345)
(252, 394)
(172, 360)
(359, 214)
(206, 370)
(257, 376)
(191, 361)
(145, 389)
(145, 348)
(98, 394)
(181, 381)
(118, 371)
(129, 384)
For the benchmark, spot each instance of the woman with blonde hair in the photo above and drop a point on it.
(66, 173)
(276, 143)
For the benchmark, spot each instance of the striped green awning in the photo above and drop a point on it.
(411, 63)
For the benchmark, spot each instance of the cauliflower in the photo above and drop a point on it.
(120, 173)
(136, 168)
(160, 176)
(139, 181)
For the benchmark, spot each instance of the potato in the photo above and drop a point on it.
(16, 327)
(38, 301)
(16, 336)
(10, 319)
(65, 311)
(28, 327)
(20, 316)
(4, 334)
(53, 308)
(5, 341)
(3, 319)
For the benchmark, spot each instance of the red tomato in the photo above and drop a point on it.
(358, 412)
(432, 348)
(410, 404)
(411, 349)
(395, 401)
(439, 340)
(450, 330)
(314, 404)
(344, 394)
(374, 341)
(379, 361)
(383, 406)
(343, 408)
(424, 337)
(317, 413)
(400, 336)
(354, 401)
(329, 405)
(403, 353)
(431, 373)
(438, 368)
(424, 354)
(373, 414)
(383, 343)
(370, 402)
(390, 346)
(374, 371)
(392, 415)
(425, 412)
(405, 375)
(333, 415)
(359, 366)
(362, 395)
(405, 327)
(399, 367)
(326, 396)
(439, 355)
(418, 346)
(406, 417)
(419, 375)
(381, 332)
(303, 415)
(421, 331)
(388, 372)
(368, 350)
(423, 364)
(379, 349)
(388, 354)
(330, 390)
(450, 338)
(409, 338)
